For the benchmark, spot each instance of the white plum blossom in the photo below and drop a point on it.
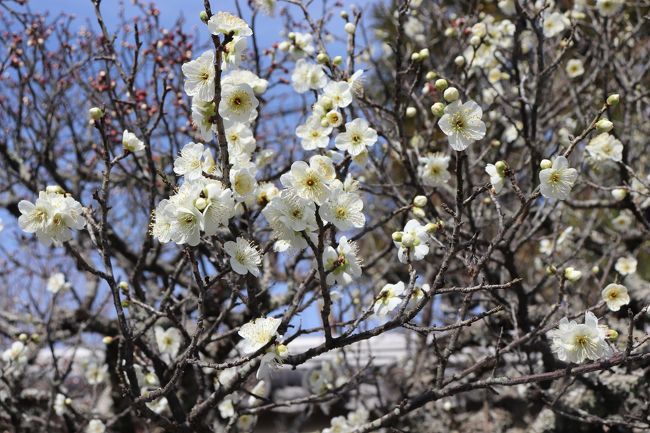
(226, 408)
(186, 224)
(59, 405)
(168, 340)
(573, 342)
(131, 142)
(313, 135)
(608, 8)
(266, 6)
(95, 426)
(238, 103)
(202, 115)
(56, 283)
(289, 215)
(615, 296)
(605, 147)
(341, 263)
(344, 210)
(626, 265)
(497, 177)
(356, 82)
(554, 24)
(557, 181)
(244, 257)
(258, 333)
(358, 136)
(413, 243)
(199, 76)
(308, 181)
(433, 169)
(225, 23)
(574, 68)
(234, 53)
(17, 353)
(218, 206)
(240, 138)
(192, 161)
(339, 92)
(301, 45)
(243, 182)
(308, 76)
(52, 217)
(462, 124)
(389, 298)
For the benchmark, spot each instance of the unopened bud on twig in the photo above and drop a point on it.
(95, 113)
(604, 125)
(613, 99)
(438, 109)
(451, 94)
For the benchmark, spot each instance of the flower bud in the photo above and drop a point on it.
(431, 227)
(604, 125)
(418, 212)
(282, 350)
(495, 143)
(125, 303)
(397, 236)
(123, 286)
(475, 41)
(424, 53)
(284, 46)
(67, 401)
(459, 61)
(595, 269)
(438, 109)
(415, 57)
(450, 32)
(291, 36)
(350, 28)
(408, 240)
(203, 15)
(411, 112)
(431, 75)
(611, 334)
(35, 338)
(95, 113)
(420, 201)
(338, 60)
(23, 337)
(107, 340)
(55, 188)
(572, 274)
(322, 58)
(551, 269)
(546, 163)
(619, 193)
(344, 15)
(201, 203)
(613, 99)
(441, 84)
(451, 94)
(501, 167)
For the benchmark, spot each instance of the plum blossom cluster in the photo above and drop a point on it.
(53, 216)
